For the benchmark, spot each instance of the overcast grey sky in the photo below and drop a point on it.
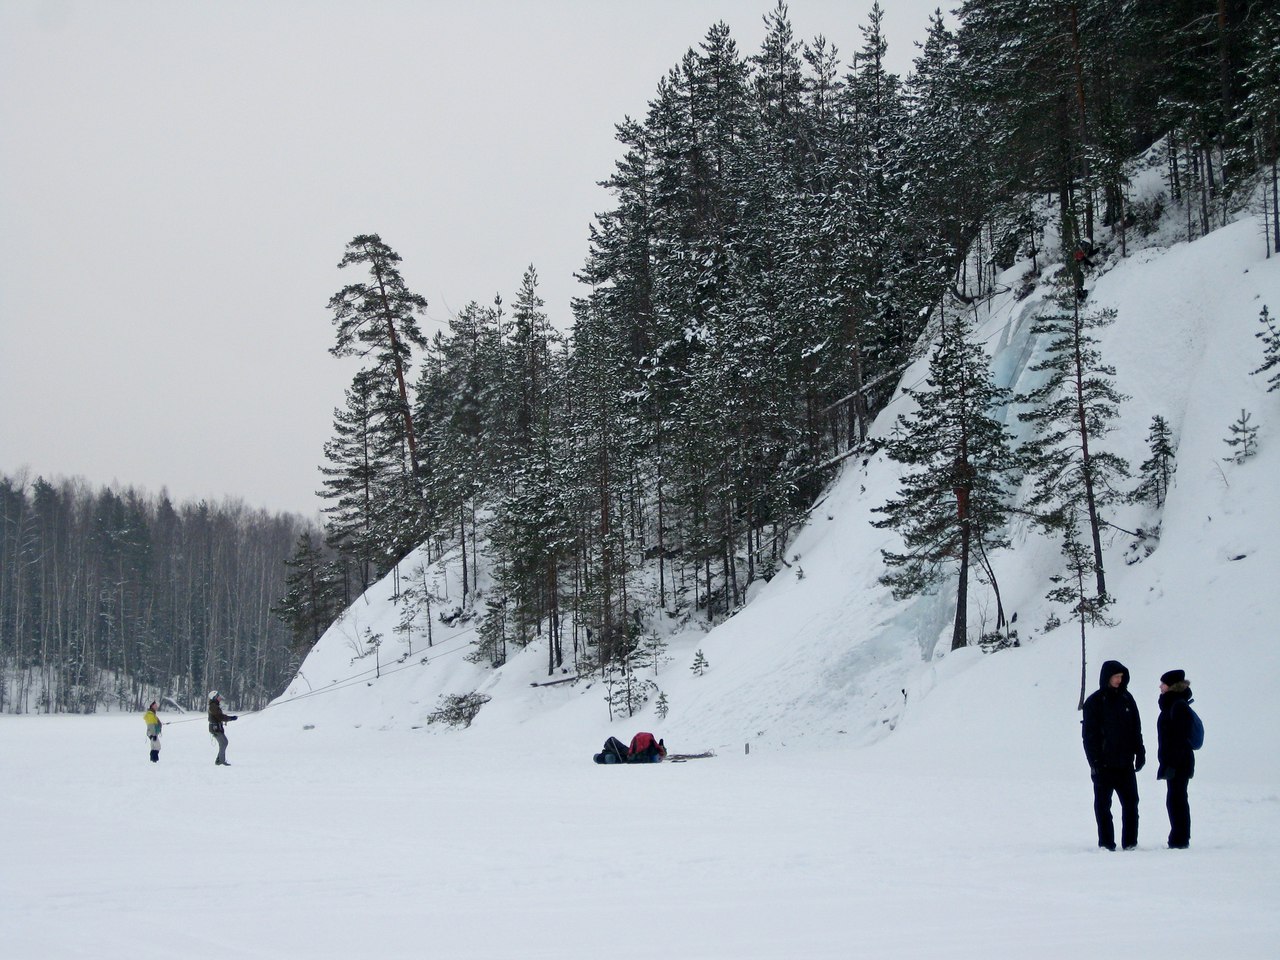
(179, 178)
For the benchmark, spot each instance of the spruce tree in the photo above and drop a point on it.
(362, 459)
(949, 163)
(313, 596)
(1156, 473)
(953, 498)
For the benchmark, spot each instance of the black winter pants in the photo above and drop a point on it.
(1179, 811)
(1123, 783)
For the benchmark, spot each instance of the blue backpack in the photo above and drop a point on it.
(1197, 729)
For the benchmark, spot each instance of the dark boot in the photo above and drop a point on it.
(155, 756)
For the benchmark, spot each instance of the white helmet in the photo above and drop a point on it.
(213, 694)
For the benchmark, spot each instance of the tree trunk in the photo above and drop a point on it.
(462, 539)
(959, 631)
(1083, 147)
(1087, 465)
(406, 411)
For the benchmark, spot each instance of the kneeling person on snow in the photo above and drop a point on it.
(646, 749)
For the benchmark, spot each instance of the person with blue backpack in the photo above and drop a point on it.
(1181, 734)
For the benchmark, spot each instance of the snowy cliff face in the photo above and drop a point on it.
(822, 654)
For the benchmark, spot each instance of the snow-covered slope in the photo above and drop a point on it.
(898, 801)
(823, 655)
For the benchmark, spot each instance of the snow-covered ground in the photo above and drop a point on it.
(363, 843)
(896, 800)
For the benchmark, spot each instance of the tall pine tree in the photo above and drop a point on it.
(1073, 409)
(954, 496)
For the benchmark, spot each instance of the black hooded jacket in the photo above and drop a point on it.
(1111, 727)
(1173, 731)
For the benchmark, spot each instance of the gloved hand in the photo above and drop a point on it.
(1140, 762)
(233, 718)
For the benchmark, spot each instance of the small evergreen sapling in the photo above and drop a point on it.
(493, 632)
(1243, 440)
(373, 643)
(1156, 473)
(1071, 589)
(625, 692)
(652, 649)
(700, 664)
(1270, 338)
(661, 707)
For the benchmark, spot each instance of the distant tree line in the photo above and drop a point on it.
(784, 224)
(112, 598)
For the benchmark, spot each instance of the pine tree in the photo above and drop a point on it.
(953, 499)
(662, 706)
(1156, 473)
(533, 341)
(1021, 67)
(493, 632)
(1073, 409)
(625, 692)
(532, 536)
(379, 318)
(1243, 440)
(949, 163)
(700, 664)
(1270, 337)
(462, 396)
(363, 457)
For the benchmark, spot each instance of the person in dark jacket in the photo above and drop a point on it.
(614, 751)
(1112, 732)
(1177, 759)
(217, 719)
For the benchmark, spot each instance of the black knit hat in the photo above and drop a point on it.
(1172, 677)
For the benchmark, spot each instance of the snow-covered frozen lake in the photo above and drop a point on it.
(349, 843)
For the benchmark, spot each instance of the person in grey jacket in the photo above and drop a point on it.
(1112, 732)
(217, 720)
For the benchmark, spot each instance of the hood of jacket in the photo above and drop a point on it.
(1172, 696)
(1109, 669)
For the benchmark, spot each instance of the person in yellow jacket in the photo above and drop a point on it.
(153, 730)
